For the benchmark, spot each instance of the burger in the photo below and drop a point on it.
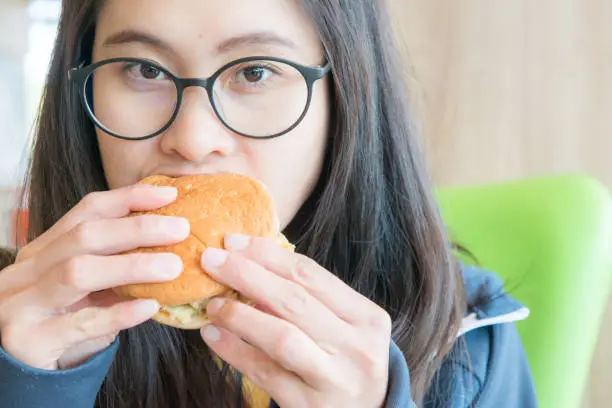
(215, 205)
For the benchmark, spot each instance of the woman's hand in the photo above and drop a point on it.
(312, 340)
(55, 309)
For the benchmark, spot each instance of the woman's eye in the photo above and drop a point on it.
(150, 72)
(258, 77)
(255, 74)
(144, 71)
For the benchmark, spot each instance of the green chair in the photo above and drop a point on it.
(550, 240)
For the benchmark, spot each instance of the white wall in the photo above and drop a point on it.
(6, 205)
(25, 45)
(13, 122)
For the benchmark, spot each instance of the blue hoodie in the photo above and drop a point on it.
(487, 367)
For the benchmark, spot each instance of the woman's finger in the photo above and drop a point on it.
(103, 205)
(106, 237)
(93, 323)
(330, 290)
(287, 299)
(60, 332)
(99, 237)
(284, 387)
(72, 281)
(105, 298)
(282, 341)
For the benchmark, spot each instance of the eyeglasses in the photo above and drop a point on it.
(256, 97)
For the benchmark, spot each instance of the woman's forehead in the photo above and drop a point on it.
(208, 28)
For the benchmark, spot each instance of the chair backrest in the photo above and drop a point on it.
(550, 240)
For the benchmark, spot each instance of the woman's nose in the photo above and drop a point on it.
(197, 132)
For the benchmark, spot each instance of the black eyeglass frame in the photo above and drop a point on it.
(80, 75)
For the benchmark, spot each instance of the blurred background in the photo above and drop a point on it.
(515, 89)
(27, 30)
(504, 90)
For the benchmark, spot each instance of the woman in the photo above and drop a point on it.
(305, 96)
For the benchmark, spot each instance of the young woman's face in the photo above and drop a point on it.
(193, 39)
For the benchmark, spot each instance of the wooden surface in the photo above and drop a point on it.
(511, 89)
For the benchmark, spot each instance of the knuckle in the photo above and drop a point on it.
(353, 390)
(303, 271)
(236, 269)
(286, 344)
(13, 335)
(25, 253)
(117, 319)
(371, 364)
(7, 276)
(110, 337)
(295, 302)
(376, 370)
(135, 190)
(263, 374)
(83, 322)
(107, 339)
(83, 236)
(91, 203)
(380, 320)
(230, 313)
(139, 265)
(145, 224)
(71, 273)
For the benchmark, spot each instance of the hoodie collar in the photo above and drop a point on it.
(490, 304)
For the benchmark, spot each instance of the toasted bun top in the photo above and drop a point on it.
(215, 205)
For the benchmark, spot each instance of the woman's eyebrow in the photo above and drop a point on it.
(240, 41)
(254, 38)
(134, 36)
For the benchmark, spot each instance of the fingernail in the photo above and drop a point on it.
(167, 265)
(176, 226)
(237, 242)
(166, 192)
(214, 305)
(211, 334)
(146, 307)
(213, 258)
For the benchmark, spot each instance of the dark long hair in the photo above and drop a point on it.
(372, 220)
